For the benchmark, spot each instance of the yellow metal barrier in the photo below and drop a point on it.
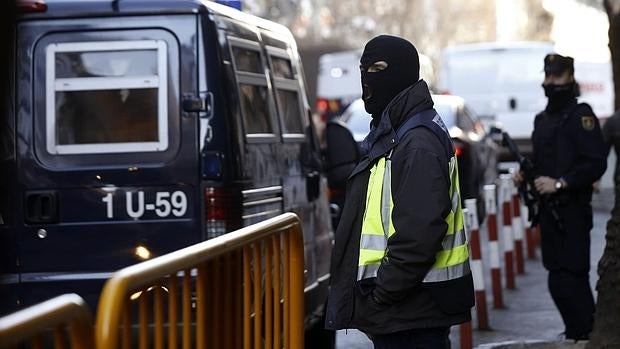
(239, 290)
(61, 318)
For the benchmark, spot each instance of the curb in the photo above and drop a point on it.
(534, 344)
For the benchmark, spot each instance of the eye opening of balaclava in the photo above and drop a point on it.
(388, 65)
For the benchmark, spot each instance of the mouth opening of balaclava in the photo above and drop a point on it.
(401, 70)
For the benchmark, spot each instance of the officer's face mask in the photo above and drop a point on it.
(559, 95)
(388, 65)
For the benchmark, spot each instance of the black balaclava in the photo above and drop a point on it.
(560, 95)
(403, 70)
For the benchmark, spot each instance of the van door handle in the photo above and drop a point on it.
(202, 104)
(41, 207)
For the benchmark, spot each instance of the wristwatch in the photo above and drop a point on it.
(559, 184)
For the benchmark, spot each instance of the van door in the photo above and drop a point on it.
(107, 161)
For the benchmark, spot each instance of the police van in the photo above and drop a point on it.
(136, 128)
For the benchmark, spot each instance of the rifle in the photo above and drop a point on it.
(527, 190)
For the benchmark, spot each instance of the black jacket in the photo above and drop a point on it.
(420, 193)
(568, 144)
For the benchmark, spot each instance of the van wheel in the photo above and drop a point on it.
(317, 337)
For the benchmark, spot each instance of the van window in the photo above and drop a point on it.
(253, 88)
(126, 80)
(282, 68)
(287, 93)
(247, 60)
(254, 106)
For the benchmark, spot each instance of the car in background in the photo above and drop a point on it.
(476, 151)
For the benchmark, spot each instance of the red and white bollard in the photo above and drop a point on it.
(517, 228)
(490, 205)
(506, 191)
(476, 264)
(465, 331)
(465, 335)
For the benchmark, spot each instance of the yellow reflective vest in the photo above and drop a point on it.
(451, 262)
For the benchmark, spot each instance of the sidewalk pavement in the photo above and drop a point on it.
(529, 314)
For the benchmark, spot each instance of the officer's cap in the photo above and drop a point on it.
(556, 64)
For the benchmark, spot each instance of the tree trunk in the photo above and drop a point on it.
(612, 7)
(606, 332)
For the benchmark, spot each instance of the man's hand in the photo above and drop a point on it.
(545, 185)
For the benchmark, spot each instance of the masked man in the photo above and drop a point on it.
(400, 268)
(569, 155)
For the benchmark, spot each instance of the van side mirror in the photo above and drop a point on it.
(342, 153)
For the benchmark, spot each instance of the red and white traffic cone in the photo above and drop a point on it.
(506, 191)
(476, 264)
(517, 228)
(496, 273)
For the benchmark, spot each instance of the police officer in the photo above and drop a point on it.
(400, 265)
(569, 156)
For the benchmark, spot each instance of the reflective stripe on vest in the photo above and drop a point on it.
(450, 263)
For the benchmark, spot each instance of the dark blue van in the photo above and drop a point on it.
(135, 128)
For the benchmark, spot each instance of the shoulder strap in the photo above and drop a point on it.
(431, 120)
(415, 121)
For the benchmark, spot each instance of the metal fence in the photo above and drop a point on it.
(239, 290)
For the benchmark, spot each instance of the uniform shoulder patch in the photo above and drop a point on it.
(587, 122)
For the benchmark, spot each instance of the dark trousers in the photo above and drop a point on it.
(573, 298)
(566, 254)
(426, 338)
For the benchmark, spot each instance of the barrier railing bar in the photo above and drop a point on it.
(286, 288)
(256, 286)
(159, 317)
(143, 320)
(277, 319)
(173, 311)
(187, 309)
(201, 305)
(127, 326)
(68, 310)
(268, 296)
(247, 295)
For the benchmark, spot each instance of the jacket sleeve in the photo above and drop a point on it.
(420, 194)
(591, 154)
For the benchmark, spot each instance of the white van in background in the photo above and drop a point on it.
(339, 82)
(502, 83)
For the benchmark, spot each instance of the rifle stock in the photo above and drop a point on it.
(526, 188)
